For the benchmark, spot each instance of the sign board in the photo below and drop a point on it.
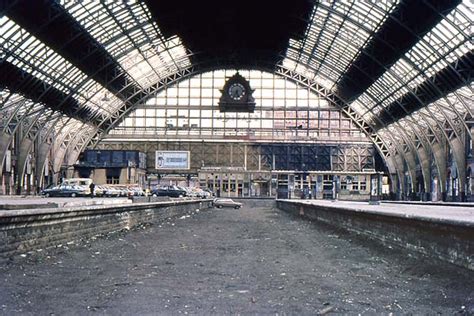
(166, 160)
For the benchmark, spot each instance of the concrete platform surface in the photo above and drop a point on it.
(461, 204)
(19, 202)
(455, 214)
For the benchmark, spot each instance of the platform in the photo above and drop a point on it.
(28, 229)
(427, 203)
(250, 261)
(441, 232)
(37, 202)
(425, 211)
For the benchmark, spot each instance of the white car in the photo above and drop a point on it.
(112, 191)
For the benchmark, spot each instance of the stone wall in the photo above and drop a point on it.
(26, 230)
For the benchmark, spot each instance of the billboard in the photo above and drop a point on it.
(167, 159)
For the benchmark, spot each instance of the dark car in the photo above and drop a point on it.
(171, 191)
(66, 190)
(220, 203)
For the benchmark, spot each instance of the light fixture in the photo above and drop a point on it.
(105, 98)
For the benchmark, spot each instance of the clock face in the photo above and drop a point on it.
(236, 91)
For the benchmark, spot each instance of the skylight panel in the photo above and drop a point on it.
(335, 35)
(47, 65)
(126, 32)
(438, 111)
(103, 101)
(431, 54)
(38, 59)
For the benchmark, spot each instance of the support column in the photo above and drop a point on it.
(23, 152)
(245, 157)
(5, 140)
(439, 153)
(270, 186)
(458, 149)
(41, 155)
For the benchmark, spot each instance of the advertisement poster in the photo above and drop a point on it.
(166, 160)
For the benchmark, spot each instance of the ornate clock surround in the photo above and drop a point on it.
(237, 95)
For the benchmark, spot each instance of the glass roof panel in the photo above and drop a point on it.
(445, 43)
(439, 111)
(28, 53)
(336, 33)
(126, 31)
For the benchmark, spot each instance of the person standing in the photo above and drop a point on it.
(92, 187)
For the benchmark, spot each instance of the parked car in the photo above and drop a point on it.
(100, 190)
(171, 191)
(135, 191)
(123, 190)
(210, 193)
(66, 190)
(77, 181)
(197, 192)
(203, 194)
(206, 194)
(220, 203)
(112, 191)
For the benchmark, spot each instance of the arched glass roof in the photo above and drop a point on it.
(446, 43)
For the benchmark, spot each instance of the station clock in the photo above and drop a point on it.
(237, 95)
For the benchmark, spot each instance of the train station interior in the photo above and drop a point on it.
(305, 105)
(381, 87)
